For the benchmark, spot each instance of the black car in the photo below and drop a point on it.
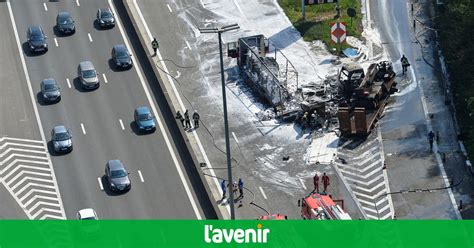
(50, 90)
(121, 57)
(61, 139)
(36, 39)
(105, 18)
(117, 176)
(65, 23)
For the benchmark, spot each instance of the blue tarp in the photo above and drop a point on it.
(350, 52)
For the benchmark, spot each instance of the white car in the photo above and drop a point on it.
(87, 214)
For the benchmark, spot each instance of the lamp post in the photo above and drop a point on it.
(219, 32)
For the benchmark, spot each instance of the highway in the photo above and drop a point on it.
(101, 121)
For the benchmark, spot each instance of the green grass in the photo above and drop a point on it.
(316, 25)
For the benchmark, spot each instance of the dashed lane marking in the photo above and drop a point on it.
(45, 7)
(83, 128)
(263, 192)
(105, 78)
(100, 183)
(77, 3)
(169, 8)
(56, 41)
(90, 37)
(121, 124)
(68, 83)
(187, 44)
(141, 176)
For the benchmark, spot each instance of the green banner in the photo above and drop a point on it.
(285, 234)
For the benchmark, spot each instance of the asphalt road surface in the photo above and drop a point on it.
(101, 121)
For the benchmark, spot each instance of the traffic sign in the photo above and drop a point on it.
(338, 32)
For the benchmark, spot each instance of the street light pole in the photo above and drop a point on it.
(219, 32)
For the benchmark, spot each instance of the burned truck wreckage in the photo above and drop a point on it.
(351, 103)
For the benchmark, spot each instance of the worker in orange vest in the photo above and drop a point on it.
(326, 183)
(316, 182)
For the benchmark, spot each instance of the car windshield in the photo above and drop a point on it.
(122, 54)
(36, 37)
(89, 218)
(118, 173)
(67, 20)
(61, 136)
(89, 74)
(106, 14)
(145, 117)
(50, 87)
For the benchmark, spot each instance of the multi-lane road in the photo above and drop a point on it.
(101, 122)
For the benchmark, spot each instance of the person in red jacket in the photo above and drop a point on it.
(316, 182)
(326, 183)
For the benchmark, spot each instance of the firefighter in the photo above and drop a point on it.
(154, 45)
(316, 182)
(431, 136)
(186, 119)
(224, 189)
(241, 188)
(405, 63)
(180, 118)
(326, 183)
(196, 119)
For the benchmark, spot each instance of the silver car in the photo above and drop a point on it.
(88, 75)
(62, 139)
(117, 176)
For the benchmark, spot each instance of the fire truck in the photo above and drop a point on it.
(322, 207)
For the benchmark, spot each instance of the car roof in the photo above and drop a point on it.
(86, 65)
(120, 47)
(142, 110)
(87, 213)
(59, 129)
(64, 14)
(115, 164)
(47, 81)
(35, 29)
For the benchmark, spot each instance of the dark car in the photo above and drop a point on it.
(144, 119)
(117, 176)
(50, 90)
(62, 139)
(105, 18)
(36, 39)
(121, 57)
(65, 23)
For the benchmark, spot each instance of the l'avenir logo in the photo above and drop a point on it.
(238, 235)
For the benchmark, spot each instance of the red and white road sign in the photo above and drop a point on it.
(338, 32)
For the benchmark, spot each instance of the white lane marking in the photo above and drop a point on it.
(187, 44)
(56, 41)
(38, 119)
(105, 78)
(435, 149)
(90, 37)
(68, 83)
(100, 183)
(263, 193)
(77, 2)
(171, 11)
(181, 104)
(83, 128)
(141, 176)
(160, 123)
(235, 137)
(302, 183)
(45, 7)
(121, 124)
